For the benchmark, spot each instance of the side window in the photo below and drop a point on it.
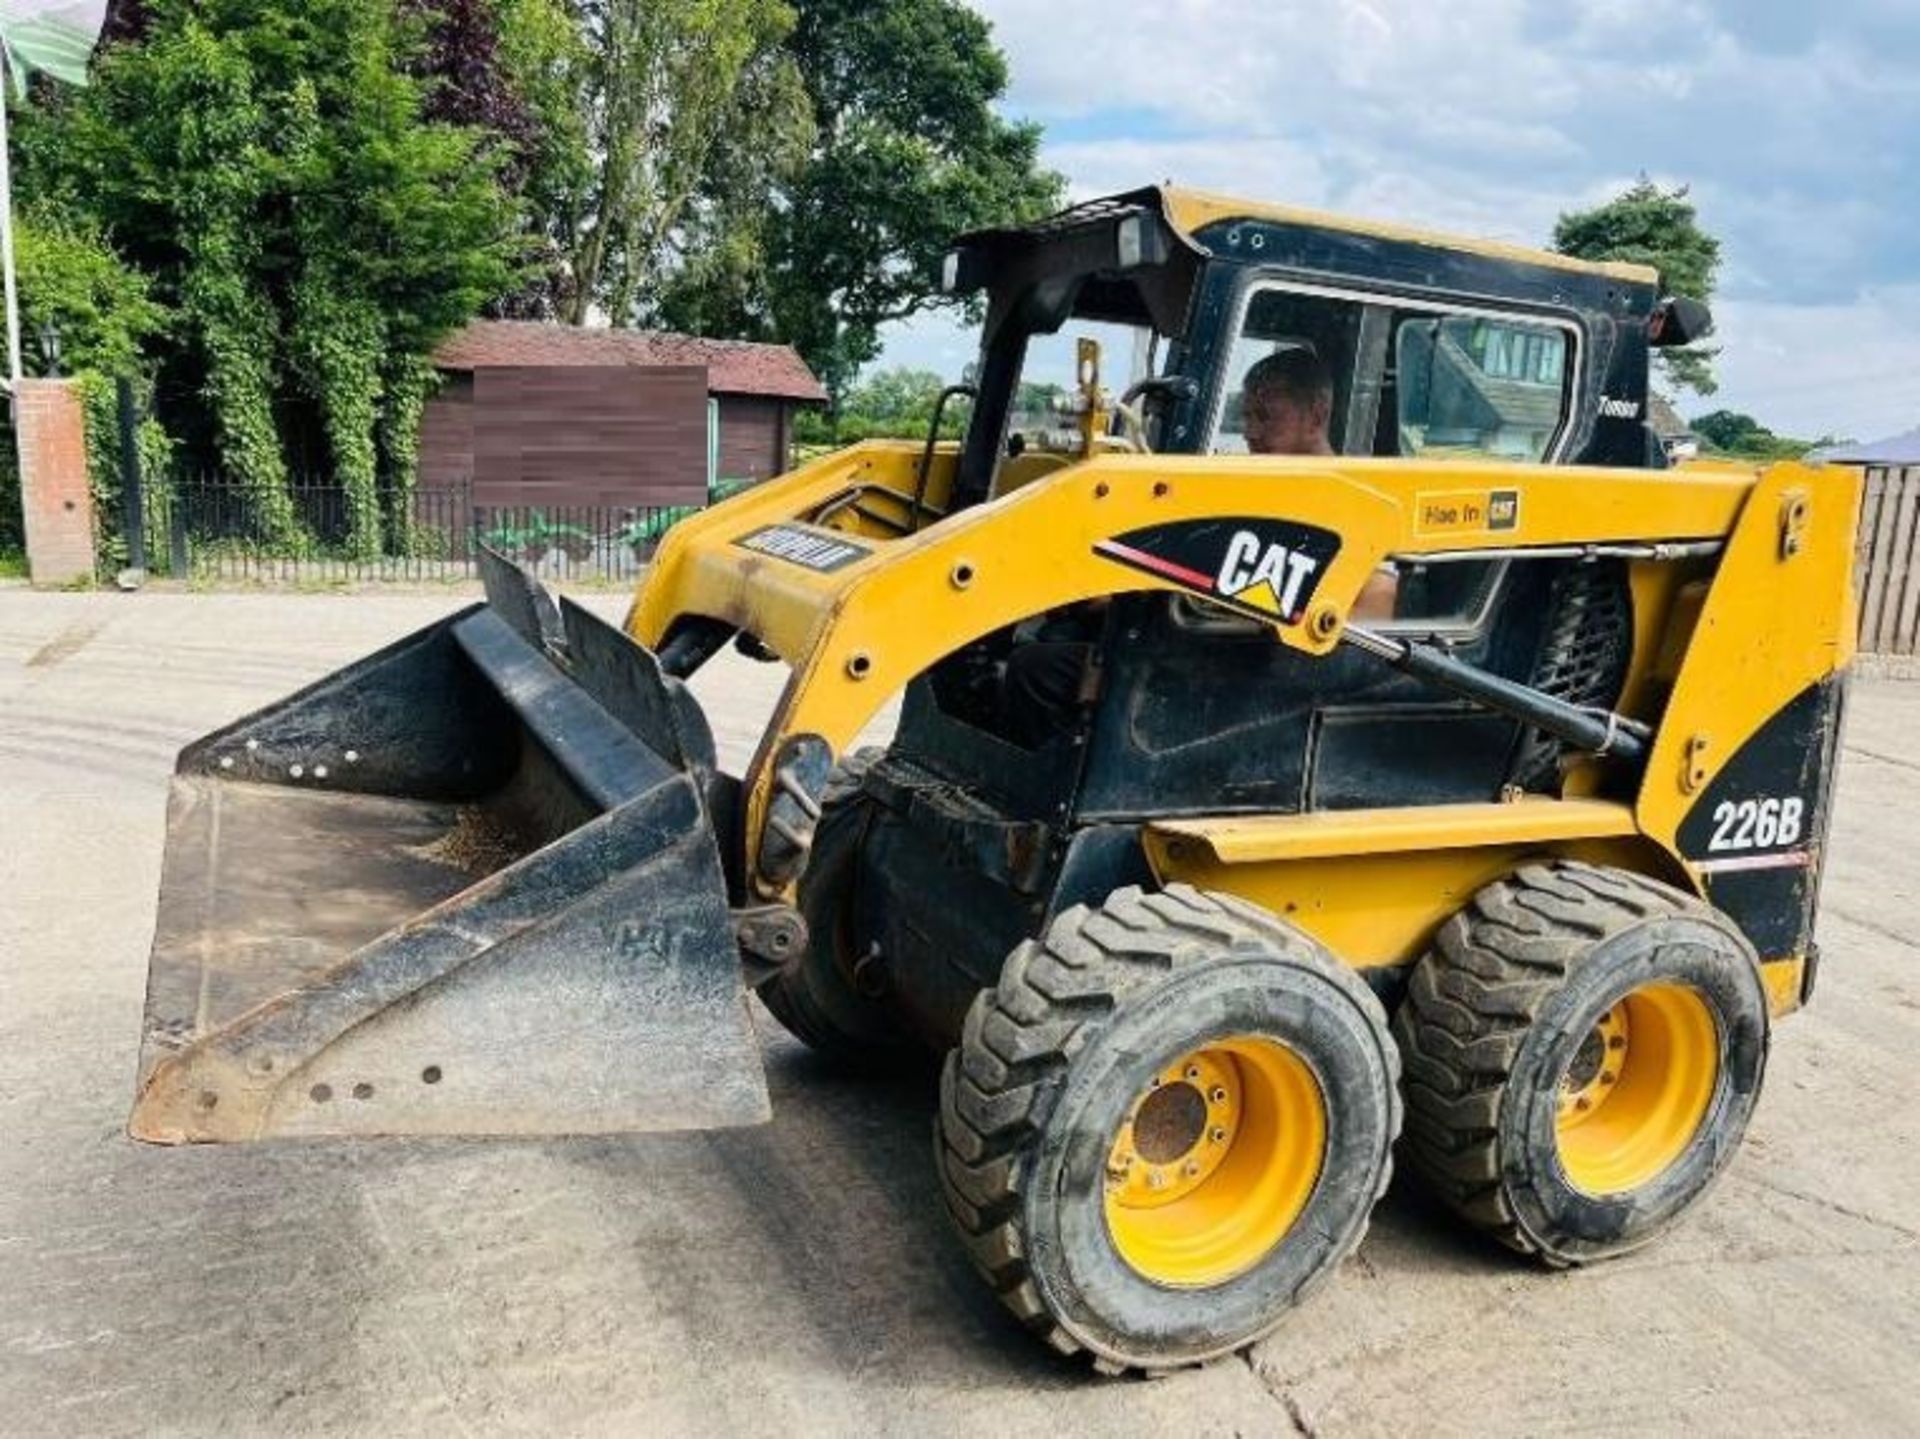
(1280, 321)
(1479, 387)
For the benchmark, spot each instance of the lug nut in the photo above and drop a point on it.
(1193, 1168)
(1218, 1134)
(1218, 1094)
(1193, 1071)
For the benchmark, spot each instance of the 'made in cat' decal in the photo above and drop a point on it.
(1270, 568)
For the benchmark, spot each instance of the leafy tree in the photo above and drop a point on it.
(1728, 432)
(103, 317)
(271, 166)
(665, 85)
(1649, 225)
(908, 151)
(101, 310)
(511, 70)
(895, 403)
(540, 55)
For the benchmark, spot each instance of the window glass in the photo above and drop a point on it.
(1278, 321)
(1474, 387)
(1044, 413)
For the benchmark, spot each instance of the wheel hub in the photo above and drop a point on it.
(1636, 1090)
(1177, 1132)
(1596, 1067)
(1215, 1159)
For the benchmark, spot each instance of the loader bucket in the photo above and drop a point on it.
(467, 885)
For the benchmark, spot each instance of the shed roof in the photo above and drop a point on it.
(1666, 421)
(734, 367)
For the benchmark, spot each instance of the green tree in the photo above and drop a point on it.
(907, 152)
(269, 164)
(1649, 225)
(895, 403)
(512, 69)
(667, 88)
(1728, 432)
(101, 311)
(102, 317)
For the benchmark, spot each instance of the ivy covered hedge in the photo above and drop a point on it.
(252, 209)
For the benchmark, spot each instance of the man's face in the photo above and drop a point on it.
(1283, 425)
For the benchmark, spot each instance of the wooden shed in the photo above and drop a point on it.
(538, 414)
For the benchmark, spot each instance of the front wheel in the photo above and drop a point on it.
(1165, 1125)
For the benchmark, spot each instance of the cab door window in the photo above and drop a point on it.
(1480, 387)
(1274, 320)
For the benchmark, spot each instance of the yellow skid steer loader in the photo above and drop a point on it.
(1474, 771)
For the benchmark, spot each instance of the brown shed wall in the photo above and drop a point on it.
(751, 429)
(446, 434)
(616, 435)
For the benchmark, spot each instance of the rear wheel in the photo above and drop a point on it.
(818, 998)
(1165, 1125)
(1583, 1050)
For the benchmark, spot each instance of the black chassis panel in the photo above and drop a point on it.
(1770, 889)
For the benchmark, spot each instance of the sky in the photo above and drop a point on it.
(1796, 125)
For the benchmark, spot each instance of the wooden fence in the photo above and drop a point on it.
(1889, 561)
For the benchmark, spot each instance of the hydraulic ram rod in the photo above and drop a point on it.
(1594, 730)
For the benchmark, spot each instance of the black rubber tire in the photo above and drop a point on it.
(1050, 1060)
(1496, 1010)
(815, 998)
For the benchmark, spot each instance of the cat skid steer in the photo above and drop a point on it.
(1524, 854)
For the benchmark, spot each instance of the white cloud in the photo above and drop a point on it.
(1793, 124)
(1842, 369)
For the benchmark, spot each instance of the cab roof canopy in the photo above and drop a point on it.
(1140, 250)
(1193, 210)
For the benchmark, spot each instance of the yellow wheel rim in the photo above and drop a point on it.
(1215, 1160)
(1634, 1093)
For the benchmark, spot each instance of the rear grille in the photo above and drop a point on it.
(1583, 657)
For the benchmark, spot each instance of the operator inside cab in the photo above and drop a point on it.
(1287, 404)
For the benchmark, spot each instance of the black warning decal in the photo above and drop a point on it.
(1270, 568)
(810, 549)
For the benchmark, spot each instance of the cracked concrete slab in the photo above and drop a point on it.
(798, 1277)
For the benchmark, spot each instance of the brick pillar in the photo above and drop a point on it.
(54, 499)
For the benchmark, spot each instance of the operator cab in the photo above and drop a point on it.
(1435, 348)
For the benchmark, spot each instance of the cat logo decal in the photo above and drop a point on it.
(1270, 568)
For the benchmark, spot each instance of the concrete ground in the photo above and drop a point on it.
(798, 1277)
